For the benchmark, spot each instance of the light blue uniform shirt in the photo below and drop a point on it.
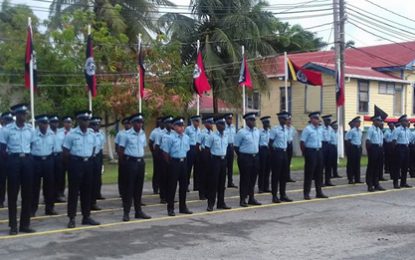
(118, 136)
(326, 131)
(160, 136)
(204, 134)
(59, 137)
(387, 135)
(176, 145)
(43, 144)
(264, 137)
(153, 135)
(279, 137)
(402, 135)
(79, 143)
(291, 133)
(347, 136)
(99, 142)
(217, 143)
(312, 136)
(133, 143)
(355, 136)
(18, 140)
(375, 135)
(333, 138)
(193, 134)
(230, 131)
(247, 140)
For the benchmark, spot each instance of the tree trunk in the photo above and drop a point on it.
(215, 100)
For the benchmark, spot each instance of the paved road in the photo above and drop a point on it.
(352, 224)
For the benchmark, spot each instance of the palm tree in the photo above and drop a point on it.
(223, 26)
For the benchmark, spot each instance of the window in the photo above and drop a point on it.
(398, 99)
(363, 96)
(313, 95)
(282, 99)
(386, 88)
(253, 101)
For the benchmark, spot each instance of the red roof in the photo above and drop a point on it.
(206, 104)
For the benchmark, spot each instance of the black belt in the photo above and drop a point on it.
(325, 142)
(376, 145)
(219, 157)
(357, 146)
(313, 149)
(57, 154)
(264, 147)
(179, 159)
(134, 159)
(279, 149)
(403, 145)
(249, 154)
(42, 158)
(290, 143)
(20, 155)
(82, 159)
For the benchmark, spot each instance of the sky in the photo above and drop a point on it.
(359, 36)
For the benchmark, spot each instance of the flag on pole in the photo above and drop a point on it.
(90, 67)
(244, 75)
(302, 75)
(141, 71)
(30, 56)
(200, 80)
(339, 88)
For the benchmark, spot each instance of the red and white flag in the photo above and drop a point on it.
(200, 80)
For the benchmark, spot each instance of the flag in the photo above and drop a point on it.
(302, 75)
(30, 56)
(90, 67)
(200, 80)
(141, 71)
(339, 89)
(244, 75)
(381, 113)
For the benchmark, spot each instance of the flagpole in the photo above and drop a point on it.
(32, 87)
(139, 85)
(89, 90)
(197, 94)
(286, 80)
(243, 88)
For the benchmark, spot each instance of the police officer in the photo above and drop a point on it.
(42, 151)
(5, 119)
(15, 141)
(127, 125)
(79, 148)
(354, 140)
(374, 149)
(388, 146)
(95, 124)
(411, 155)
(205, 166)
(175, 148)
(160, 138)
(131, 148)
(193, 131)
(311, 144)
(61, 166)
(292, 132)
(326, 149)
(230, 131)
(247, 147)
(264, 156)
(216, 145)
(156, 158)
(278, 142)
(333, 146)
(401, 139)
(57, 154)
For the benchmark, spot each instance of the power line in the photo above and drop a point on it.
(390, 11)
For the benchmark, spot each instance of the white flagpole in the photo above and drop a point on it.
(243, 87)
(32, 87)
(286, 80)
(89, 91)
(197, 94)
(139, 86)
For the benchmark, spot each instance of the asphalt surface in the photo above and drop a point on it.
(352, 224)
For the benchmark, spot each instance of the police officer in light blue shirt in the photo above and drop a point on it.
(264, 155)
(205, 166)
(175, 149)
(163, 135)
(131, 148)
(79, 147)
(5, 119)
(311, 144)
(15, 147)
(292, 132)
(42, 151)
(230, 131)
(388, 146)
(401, 138)
(193, 162)
(374, 142)
(127, 126)
(354, 143)
(333, 146)
(246, 147)
(327, 148)
(217, 144)
(155, 154)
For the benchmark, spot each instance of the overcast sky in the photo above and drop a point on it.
(361, 38)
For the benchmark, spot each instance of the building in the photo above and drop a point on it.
(378, 75)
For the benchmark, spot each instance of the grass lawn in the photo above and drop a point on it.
(111, 169)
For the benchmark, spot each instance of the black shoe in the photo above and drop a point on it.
(140, 214)
(267, 190)
(33, 214)
(406, 185)
(291, 180)
(321, 196)
(163, 201)
(379, 188)
(223, 206)
(260, 191)
(100, 197)
(370, 189)
(71, 223)
(358, 182)
(209, 208)
(382, 179)
(171, 213)
(323, 185)
(351, 182)
(243, 203)
(13, 231)
(90, 221)
(1, 205)
(95, 207)
(396, 186)
(26, 230)
(185, 211)
(275, 199)
(231, 185)
(201, 197)
(254, 202)
(307, 197)
(126, 217)
(155, 192)
(337, 176)
(329, 184)
(285, 198)
(142, 204)
(51, 212)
